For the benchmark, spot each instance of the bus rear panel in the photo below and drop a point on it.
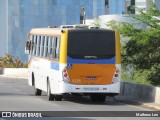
(92, 62)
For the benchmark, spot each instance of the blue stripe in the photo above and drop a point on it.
(91, 61)
(55, 65)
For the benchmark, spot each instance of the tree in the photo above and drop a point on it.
(142, 50)
(97, 22)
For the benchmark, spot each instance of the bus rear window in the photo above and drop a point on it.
(91, 44)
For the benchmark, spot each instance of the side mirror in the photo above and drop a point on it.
(28, 47)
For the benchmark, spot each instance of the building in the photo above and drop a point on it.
(119, 6)
(114, 11)
(19, 16)
(104, 19)
(127, 6)
(144, 4)
(115, 6)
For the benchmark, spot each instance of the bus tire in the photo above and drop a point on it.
(93, 97)
(50, 96)
(102, 98)
(97, 97)
(58, 97)
(38, 92)
(33, 79)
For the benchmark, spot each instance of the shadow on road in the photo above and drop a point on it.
(15, 94)
(86, 100)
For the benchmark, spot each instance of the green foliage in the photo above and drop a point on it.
(97, 22)
(136, 76)
(8, 61)
(142, 50)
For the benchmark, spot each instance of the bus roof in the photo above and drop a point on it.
(45, 31)
(58, 31)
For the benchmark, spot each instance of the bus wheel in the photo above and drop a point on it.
(102, 98)
(38, 92)
(97, 97)
(50, 96)
(58, 97)
(93, 97)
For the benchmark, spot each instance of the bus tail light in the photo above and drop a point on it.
(116, 76)
(65, 76)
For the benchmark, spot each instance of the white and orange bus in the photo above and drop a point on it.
(74, 61)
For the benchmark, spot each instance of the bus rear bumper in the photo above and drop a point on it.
(70, 88)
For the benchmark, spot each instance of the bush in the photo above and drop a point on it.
(8, 61)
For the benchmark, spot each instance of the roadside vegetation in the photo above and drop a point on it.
(141, 50)
(9, 61)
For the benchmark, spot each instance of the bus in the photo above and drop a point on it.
(71, 61)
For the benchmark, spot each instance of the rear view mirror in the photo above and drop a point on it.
(28, 47)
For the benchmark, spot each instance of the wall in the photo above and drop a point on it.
(15, 72)
(140, 92)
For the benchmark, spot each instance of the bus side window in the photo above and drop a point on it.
(35, 53)
(45, 46)
(57, 48)
(43, 52)
(42, 46)
(37, 46)
(34, 45)
(53, 47)
(48, 47)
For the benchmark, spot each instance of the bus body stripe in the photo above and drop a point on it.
(63, 47)
(118, 51)
(91, 61)
(54, 65)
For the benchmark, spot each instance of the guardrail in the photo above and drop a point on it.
(140, 92)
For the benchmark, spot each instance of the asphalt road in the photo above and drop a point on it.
(17, 95)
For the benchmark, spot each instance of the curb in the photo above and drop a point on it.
(143, 104)
(15, 71)
(18, 77)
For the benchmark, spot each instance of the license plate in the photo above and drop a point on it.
(91, 78)
(90, 89)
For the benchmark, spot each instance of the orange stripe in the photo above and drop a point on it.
(103, 73)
